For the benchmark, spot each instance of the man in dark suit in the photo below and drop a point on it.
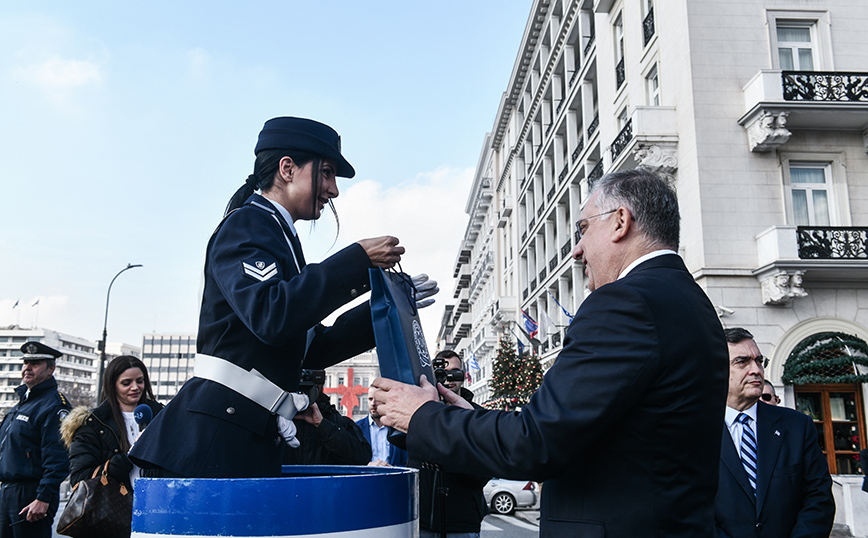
(623, 427)
(384, 452)
(774, 480)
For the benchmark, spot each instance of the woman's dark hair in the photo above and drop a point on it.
(264, 170)
(112, 372)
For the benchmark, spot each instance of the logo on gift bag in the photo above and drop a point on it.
(421, 346)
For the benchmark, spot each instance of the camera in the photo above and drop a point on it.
(443, 375)
(310, 380)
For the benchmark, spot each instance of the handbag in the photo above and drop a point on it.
(99, 507)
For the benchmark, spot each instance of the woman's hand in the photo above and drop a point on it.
(383, 251)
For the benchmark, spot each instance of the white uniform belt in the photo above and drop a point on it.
(251, 384)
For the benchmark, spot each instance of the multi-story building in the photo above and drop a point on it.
(347, 383)
(757, 110)
(169, 359)
(75, 371)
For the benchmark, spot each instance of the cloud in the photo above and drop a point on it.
(426, 214)
(59, 74)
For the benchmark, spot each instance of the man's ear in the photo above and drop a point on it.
(623, 222)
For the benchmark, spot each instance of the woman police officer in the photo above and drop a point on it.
(261, 313)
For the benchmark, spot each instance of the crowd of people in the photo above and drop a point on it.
(647, 424)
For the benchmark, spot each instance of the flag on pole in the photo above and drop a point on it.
(36, 303)
(518, 342)
(473, 363)
(15, 305)
(546, 325)
(564, 310)
(529, 324)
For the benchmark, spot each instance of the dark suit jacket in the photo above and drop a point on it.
(397, 456)
(625, 427)
(256, 311)
(794, 488)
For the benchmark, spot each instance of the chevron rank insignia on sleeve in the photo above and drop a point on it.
(259, 270)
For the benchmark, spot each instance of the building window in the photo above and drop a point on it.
(815, 189)
(620, 75)
(809, 188)
(652, 83)
(795, 46)
(801, 40)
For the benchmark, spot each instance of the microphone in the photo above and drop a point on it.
(143, 416)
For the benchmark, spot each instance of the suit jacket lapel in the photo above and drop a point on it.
(770, 437)
(730, 458)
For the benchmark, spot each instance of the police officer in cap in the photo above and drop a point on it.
(33, 460)
(261, 314)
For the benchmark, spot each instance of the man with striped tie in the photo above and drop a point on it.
(774, 479)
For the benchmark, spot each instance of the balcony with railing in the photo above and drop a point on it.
(592, 128)
(621, 141)
(563, 173)
(578, 151)
(778, 102)
(620, 76)
(550, 194)
(566, 248)
(542, 274)
(588, 45)
(648, 26)
(595, 174)
(830, 253)
(553, 262)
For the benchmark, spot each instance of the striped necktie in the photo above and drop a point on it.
(748, 450)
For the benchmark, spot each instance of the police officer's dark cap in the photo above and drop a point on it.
(304, 135)
(37, 351)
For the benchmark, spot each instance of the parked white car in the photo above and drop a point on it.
(504, 496)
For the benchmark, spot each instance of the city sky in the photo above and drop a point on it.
(126, 128)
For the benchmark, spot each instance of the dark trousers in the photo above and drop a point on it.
(14, 496)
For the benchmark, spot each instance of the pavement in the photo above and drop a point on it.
(529, 516)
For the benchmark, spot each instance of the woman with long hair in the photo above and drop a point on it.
(261, 314)
(107, 432)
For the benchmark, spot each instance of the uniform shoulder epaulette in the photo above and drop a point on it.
(62, 398)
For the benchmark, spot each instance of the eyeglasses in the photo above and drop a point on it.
(742, 362)
(767, 397)
(582, 224)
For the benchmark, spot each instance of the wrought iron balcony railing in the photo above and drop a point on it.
(832, 243)
(539, 211)
(575, 75)
(824, 86)
(550, 194)
(563, 173)
(578, 150)
(553, 263)
(622, 140)
(588, 46)
(594, 124)
(566, 248)
(532, 284)
(542, 274)
(524, 294)
(648, 26)
(532, 223)
(619, 74)
(595, 174)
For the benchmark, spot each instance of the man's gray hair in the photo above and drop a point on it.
(650, 199)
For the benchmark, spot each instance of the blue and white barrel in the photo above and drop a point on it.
(312, 501)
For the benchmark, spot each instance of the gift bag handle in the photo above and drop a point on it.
(409, 287)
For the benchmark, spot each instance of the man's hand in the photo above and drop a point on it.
(396, 401)
(451, 398)
(311, 415)
(34, 511)
(378, 463)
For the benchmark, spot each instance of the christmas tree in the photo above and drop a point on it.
(514, 378)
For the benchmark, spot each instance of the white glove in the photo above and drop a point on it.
(425, 288)
(288, 430)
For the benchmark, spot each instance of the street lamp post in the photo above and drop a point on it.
(104, 332)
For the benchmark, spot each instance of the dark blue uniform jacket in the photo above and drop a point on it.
(256, 312)
(30, 445)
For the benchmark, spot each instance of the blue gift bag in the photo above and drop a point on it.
(401, 346)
